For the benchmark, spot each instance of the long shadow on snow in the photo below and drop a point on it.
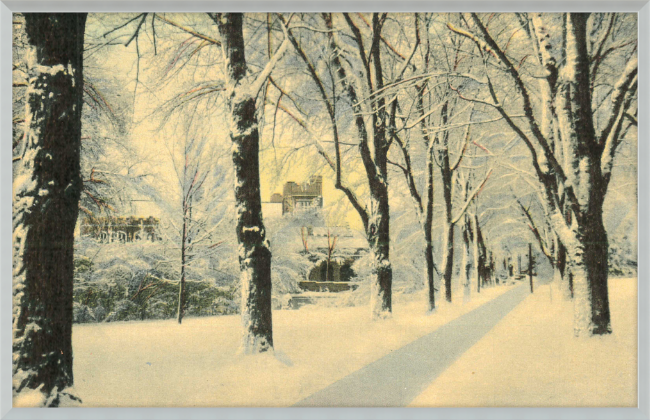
(397, 378)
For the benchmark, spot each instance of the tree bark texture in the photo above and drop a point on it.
(428, 225)
(560, 271)
(585, 239)
(182, 294)
(466, 264)
(254, 251)
(575, 163)
(47, 187)
(448, 258)
(375, 161)
(530, 266)
(476, 273)
(447, 186)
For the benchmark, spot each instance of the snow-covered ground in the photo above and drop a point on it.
(532, 359)
(161, 363)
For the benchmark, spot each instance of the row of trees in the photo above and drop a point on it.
(375, 96)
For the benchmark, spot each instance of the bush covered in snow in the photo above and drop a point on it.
(622, 257)
(124, 282)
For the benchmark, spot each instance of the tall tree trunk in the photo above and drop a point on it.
(586, 239)
(380, 298)
(530, 266)
(446, 173)
(375, 163)
(560, 272)
(466, 264)
(483, 261)
(476, 273)
(382, 272)
(428, 226)
(47, 188)
(254, 252)
(181, 288)
(448, 258)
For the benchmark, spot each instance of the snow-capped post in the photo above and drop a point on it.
(47, 187)
(254, 251)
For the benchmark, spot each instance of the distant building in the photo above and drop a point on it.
(328, 251)
(139, 221)
(121, 229)
(296, 197)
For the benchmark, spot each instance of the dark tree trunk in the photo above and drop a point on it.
(428, 213)
(480, 254)
(254, 253)
(589, 276)
(382, 274)
(446, 173)
(587, 244)
(47, 188)
(476, 253)
(530, 266)
(560, 270)
(428, 225)
(375, 163)
(182, 297)
(448, 259)
(466, 264)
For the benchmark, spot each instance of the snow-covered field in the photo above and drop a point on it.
(529, 359)
(161, 363)
(532, 359)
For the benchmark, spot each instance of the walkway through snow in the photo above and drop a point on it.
(531, 358)
(396, 379)
(161, 363)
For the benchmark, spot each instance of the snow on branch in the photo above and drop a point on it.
(623, 85)
(533, 227)
(261, 79)
(471, 197)
(188, 30)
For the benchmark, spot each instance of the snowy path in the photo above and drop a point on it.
(532, 359)
(399, 377)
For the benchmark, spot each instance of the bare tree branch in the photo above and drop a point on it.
(471, 196)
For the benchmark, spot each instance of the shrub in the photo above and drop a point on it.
(82, 314)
